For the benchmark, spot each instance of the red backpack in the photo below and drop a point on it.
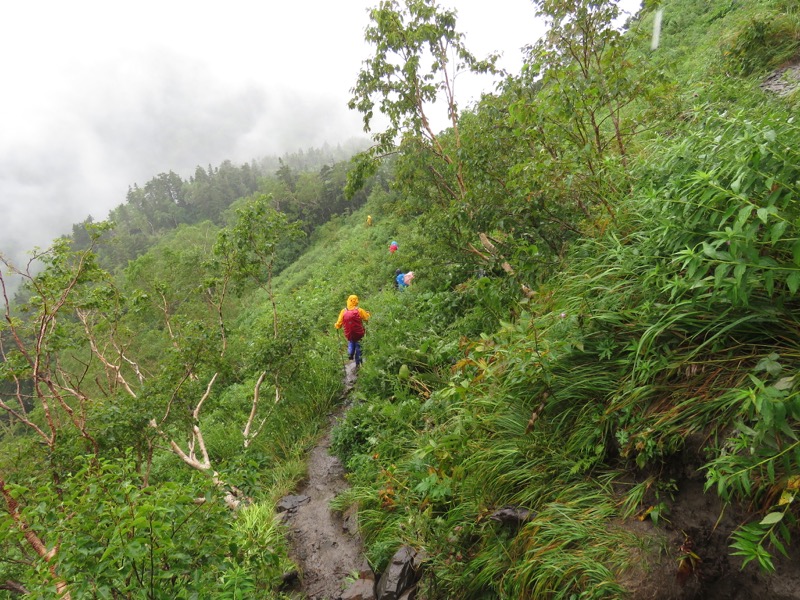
(353, 327)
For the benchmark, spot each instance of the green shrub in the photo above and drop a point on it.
(764, 41)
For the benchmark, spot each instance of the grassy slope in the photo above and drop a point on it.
(579, 409)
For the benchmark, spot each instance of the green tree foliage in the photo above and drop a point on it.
(99, 367)
(580, 103)
(418, 54)
(514, 438)
(209, 194)
(119, 537)
(167, 201)
(250, 246)
(160, 202)
(35, 336)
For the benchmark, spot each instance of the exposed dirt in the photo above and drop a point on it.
(689, 554)
(325, 544)
(783, 81)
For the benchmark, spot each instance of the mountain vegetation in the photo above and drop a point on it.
(589, 390)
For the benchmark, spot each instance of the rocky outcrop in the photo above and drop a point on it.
(783, 81)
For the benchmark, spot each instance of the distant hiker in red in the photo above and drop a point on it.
(392, 247)
(352, 319)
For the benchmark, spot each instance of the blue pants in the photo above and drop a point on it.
(354, 350)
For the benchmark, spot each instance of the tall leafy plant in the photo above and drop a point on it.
(580, 99)
(418, 54)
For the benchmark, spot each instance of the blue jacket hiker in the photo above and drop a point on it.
(402, 280)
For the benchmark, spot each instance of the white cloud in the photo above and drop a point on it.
(100, 95)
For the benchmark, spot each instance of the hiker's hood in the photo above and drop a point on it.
(352, 302)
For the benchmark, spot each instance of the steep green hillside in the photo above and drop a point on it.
(630, 387)
(589, 390)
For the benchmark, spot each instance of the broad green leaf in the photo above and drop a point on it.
(738, 272)
(793, 281)
(742, 217)
(776, 231)
(778, 544)
(771, 518)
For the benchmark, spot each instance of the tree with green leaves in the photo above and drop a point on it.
(581, 100)
(33, 337)
(47, 400)
(161, 201)
(90, 376)
(418, 55)
(249, 247)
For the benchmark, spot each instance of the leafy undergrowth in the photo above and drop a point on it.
(601, 339)
(659, 358)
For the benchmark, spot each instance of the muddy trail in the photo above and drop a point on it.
(325, 544)
(326, 547)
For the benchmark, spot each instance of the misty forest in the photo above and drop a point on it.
(589, 389)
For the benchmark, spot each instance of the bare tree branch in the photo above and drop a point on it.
(115, 369)
(253, 409)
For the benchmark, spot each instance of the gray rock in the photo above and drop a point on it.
(783, 81)
(290, 503)
(361, 589)
(401, 574)
(350, 520)
(512, 515)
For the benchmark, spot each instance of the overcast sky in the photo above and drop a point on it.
(98, 95)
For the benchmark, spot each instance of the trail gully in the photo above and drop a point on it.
(325, 544)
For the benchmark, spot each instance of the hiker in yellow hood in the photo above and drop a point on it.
(352, 319)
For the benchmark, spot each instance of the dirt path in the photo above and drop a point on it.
(325, 545)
